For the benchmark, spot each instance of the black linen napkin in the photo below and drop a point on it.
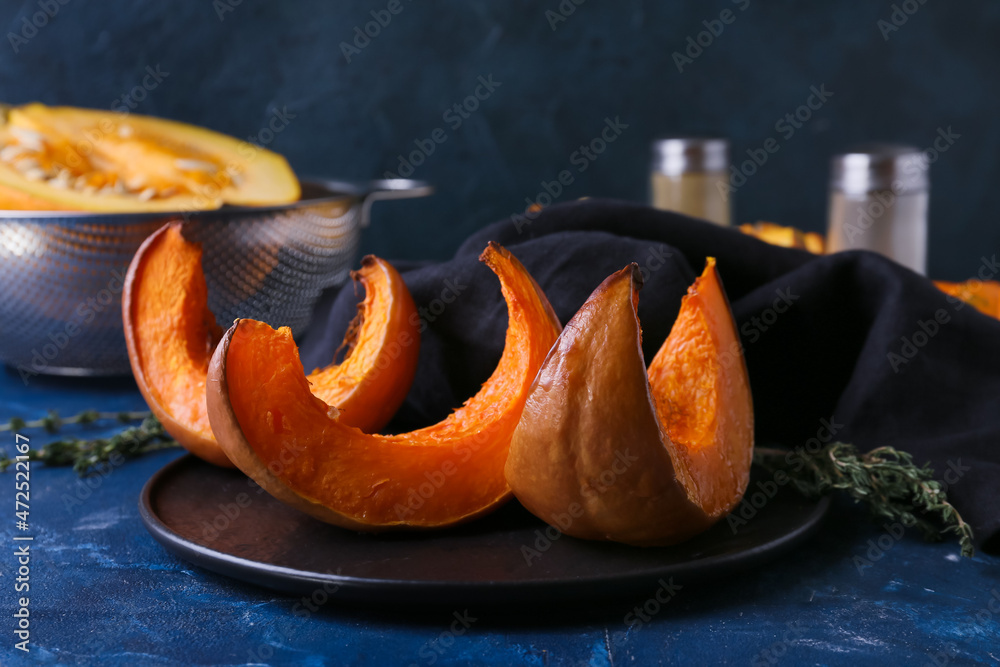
(850, 346)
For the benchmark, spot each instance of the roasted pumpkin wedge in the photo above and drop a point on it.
(383, 346)
(297, 448)
(786, 237)
(984, 295)
(171, 334)
(65, 158)
(607, 450)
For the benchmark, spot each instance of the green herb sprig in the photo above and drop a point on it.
(87, 456)
(884, 478)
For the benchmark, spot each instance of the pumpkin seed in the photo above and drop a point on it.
(190, 164)
(125, 131)
(9, 153)
(28, 138)
(147, 194)
(35, 174)
(61, 179)
(26, 164)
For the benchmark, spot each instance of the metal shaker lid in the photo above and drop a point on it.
(880, 167)
(678, 155)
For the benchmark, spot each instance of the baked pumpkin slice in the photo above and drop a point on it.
(298, 449)
(65, 158)
(171, 334)
(607, 450)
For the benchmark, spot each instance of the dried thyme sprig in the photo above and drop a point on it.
(885, 478)
(52, 422)
(88, 455)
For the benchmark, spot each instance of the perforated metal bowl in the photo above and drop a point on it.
(62, 273)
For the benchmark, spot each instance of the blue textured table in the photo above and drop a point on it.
(102, 591)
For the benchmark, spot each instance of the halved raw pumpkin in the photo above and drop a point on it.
(65, 158)
(608, 451)
(171, 334)
(293, 445)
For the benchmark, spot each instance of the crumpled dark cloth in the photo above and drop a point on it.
(850, 346)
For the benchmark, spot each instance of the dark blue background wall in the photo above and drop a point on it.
(230, 64)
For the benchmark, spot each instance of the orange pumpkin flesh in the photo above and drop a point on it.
(295, 447)
(606, 451)
(370, 384)
(171, 334)
(786, 237)
(984, 295)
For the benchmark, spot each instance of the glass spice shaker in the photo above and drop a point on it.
(878, 201)
(689, 175)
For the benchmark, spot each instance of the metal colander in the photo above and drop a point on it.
(62, 273)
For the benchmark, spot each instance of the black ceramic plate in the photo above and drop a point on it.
(220, 520)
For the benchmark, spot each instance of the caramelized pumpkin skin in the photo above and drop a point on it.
(608, 451)
(293, 445)
(171, 335)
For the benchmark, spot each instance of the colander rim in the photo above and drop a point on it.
(320, 192)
